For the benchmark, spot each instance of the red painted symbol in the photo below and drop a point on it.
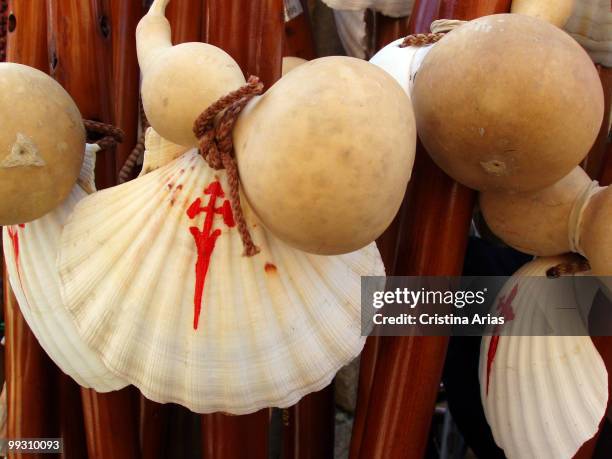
(13, 232)
(206, 239)
(505, 307)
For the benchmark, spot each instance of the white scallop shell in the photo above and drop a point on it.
(591, 26)
(30, 252)
(392, 8)
(402, 64)
(351, 27)
(271, 329)
(545, 395)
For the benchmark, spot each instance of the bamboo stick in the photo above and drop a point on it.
(251, 32)
(408, 369)
(80, 52)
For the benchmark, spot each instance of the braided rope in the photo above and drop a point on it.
(125, 172)
(217, 148)
(111, 135)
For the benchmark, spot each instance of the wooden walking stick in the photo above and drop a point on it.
(251, 32)
(299, 40)
(308, 426)
(387, 30)
(408, 369)
(80, 53)
(31, 377)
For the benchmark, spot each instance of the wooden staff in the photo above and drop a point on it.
(408, 369)
(125, 80)
(387, 30)
(29, 379)
(308, 427)
(299, 40)
(80, 51)
(251, 32)
(30, 374)
(186, 18)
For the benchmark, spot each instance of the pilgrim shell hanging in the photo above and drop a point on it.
(41, 143)
(30, 252)
(172, 306)
(543, 396)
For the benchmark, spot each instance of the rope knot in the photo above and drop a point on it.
(111, 135)
(439, 28)
(217, 148)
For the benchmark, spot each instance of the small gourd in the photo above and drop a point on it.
(179, 82)
(324, 155)
(41, 144)
(556, 12)
(497, 108)
(573, 214)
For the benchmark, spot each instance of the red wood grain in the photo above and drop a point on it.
(408, 369)
(249, 31)
(86, 71)
(308, 427)
(29, 379)
(244, 437)
(125, 81)
(186, 18)
(299, 41)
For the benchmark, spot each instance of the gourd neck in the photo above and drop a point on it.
(153, 34)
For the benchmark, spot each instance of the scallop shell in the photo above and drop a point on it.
(543, 396)
(157, 285)
(30, 252)
(351, 27)
(591, 26)
(392, 8)
(402, 63)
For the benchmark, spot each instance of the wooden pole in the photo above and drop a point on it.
(408, 369)
(125, 82)
(42, 401)
(299, 40)
(308, 427)
(81, 59)
(251, 32)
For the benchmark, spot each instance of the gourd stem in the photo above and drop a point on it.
(153, 33)
(158, 8)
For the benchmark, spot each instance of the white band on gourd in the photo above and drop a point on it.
(577, 213)
(445, 25)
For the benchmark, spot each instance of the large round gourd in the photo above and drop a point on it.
(179, 82)
(535, 222)
(509, 102)
(326, 153)
(42, 143)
